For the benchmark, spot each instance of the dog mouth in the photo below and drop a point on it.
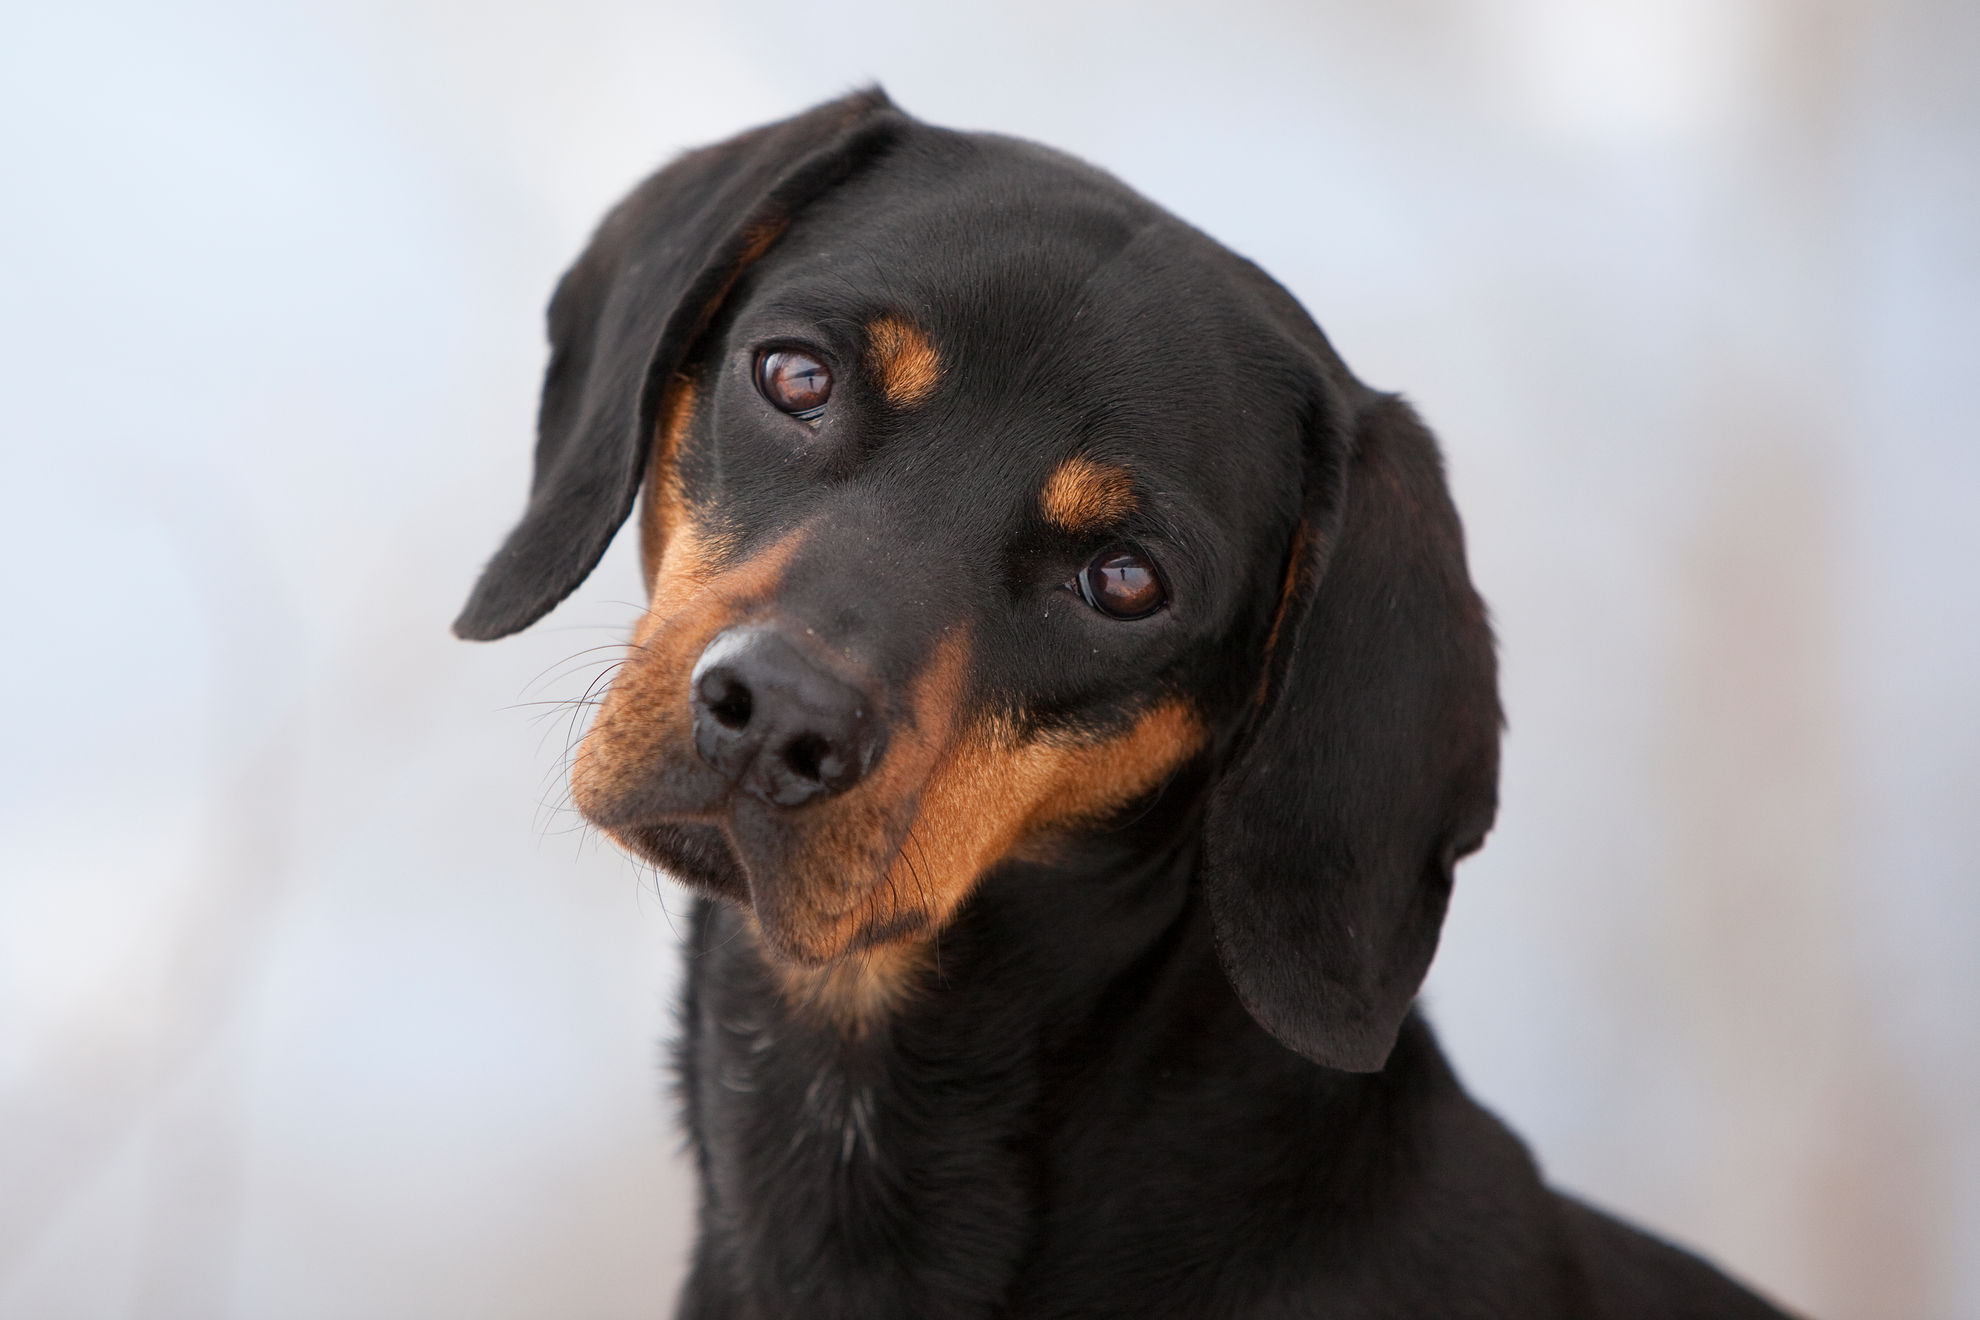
(739, 756)
(695, 854)
(813, 903)
(739, 837)
(705, 760)
(831, 874)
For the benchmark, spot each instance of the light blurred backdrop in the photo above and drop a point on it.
(314, 1004)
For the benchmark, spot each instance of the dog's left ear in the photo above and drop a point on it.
(1371, 765)
(628, 313)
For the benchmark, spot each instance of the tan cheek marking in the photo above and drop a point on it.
(665, 507)
(1084, 496)
(645, 713)
(995, 791)
(988, 794)
(839, 888)
(848, 987)
(663, 493)
(901, 356)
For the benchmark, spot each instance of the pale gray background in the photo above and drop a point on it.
(313, 1004)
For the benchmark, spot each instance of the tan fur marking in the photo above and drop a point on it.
(665, 506)
(997, 790)
(859, 991)
(1084, 496)
(845, 886)
(901, 356)
(990, 794)
(645, 713)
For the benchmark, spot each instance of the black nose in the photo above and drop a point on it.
(775, 723)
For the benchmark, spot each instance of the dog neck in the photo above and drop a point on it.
(901, 1162)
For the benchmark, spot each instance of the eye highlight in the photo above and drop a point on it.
(794, 382)
(1121, 582)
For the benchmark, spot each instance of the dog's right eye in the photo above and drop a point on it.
(794, 382)
(1121, 582)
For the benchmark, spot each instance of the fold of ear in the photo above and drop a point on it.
(1371, 766)
(626, 316)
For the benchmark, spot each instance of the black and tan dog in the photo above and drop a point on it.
(1063, 683)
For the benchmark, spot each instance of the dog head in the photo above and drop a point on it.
(985, 503)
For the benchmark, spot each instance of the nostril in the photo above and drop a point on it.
(806, 756)
(777, 723)
(731, 703)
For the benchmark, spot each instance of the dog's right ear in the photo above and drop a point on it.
(1372, 763)
(626, 316)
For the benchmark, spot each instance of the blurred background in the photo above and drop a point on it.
(313, 1003)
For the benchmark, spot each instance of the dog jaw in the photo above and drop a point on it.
(890, 861)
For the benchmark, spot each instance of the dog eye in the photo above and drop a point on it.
(794, 382)
(1121, 582)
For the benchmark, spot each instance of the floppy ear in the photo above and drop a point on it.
(1372, 763)
(625, 317)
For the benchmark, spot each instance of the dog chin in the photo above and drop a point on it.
(809, 924)
(804, 941)
(803, 921)
(819, 889)
(693, 854)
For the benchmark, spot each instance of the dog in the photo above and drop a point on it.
(1064, 690)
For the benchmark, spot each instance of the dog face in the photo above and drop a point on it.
(978, 590)
(983, 499)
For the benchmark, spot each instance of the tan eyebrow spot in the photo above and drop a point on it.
(906, 363)
(1084, 496)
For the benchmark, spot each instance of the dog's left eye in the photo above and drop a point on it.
(794, 382)
(1119, 581)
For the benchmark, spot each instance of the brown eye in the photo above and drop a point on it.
(1120, 581)
(794, 382)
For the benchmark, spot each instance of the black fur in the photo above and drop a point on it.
(1172, 1070)
(624, 317)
